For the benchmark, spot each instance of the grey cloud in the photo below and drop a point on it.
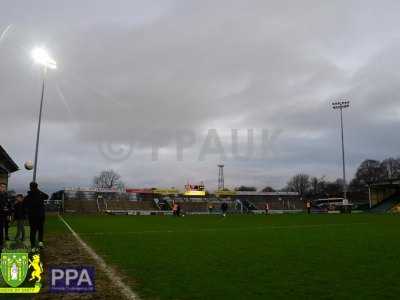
(137, 71)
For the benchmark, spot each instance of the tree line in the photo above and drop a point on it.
(368, 172)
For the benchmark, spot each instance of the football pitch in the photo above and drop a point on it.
(250, 257)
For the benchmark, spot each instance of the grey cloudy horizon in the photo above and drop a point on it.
(136, 72)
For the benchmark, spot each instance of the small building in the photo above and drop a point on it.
(7, 166)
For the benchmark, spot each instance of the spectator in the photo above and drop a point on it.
(19, 217)
(210, 208)
(224, 208)
(308, 207)
(174, 208)
(266, 207)
(3, 214)
(7, 220)
(34, 203)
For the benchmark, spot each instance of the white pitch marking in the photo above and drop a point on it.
(111, 274)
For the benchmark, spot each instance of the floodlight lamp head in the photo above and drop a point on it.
(42, 57)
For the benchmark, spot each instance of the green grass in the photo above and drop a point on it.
(53, 225)
(251, 257)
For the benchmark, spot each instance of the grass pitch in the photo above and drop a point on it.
(251, 257)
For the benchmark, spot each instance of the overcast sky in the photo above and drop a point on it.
(137, 76)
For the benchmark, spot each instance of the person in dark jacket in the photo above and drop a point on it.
(224, 208)
(3, 211)
(7, 220)
(34, 204)
(19, 217)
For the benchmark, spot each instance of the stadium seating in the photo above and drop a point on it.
(80, 206)
(91, 206)
(194, 206)
(188, 206)
(276, 204)
(164, 205)
(71, 206)
(387, 204)
(130, 205)
(52, 206)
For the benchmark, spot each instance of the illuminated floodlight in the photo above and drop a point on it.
(42, 57)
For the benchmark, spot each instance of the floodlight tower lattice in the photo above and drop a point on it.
(221, 179)
(340, 105)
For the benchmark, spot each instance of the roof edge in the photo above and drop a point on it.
(13, 167)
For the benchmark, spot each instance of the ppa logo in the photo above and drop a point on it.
(72, 279)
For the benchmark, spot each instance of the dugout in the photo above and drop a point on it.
(7, 166)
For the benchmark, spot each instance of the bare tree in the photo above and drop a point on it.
(334, 188)
(299, 183)
(391, 168)
(370, 171)
(108, 179)
(318, 185)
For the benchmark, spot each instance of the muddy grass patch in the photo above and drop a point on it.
(64, 250)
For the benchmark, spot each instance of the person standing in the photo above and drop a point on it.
(210, 208)
(19, 217)
(266, 207)
(7, 220)
(224, 208)
(308, 207)
(3, 212)
(34, 204)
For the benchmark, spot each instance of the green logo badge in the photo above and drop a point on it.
(14, 267)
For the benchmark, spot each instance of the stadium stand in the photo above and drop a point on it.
(52, 205)
(387, 204)
(248, 205)
(91, 200)
(275, 203)
(189, 207)
(131, 205)
(92, 206)
(88, 206)
(384, 196)
(80, 206)
(163, 204)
